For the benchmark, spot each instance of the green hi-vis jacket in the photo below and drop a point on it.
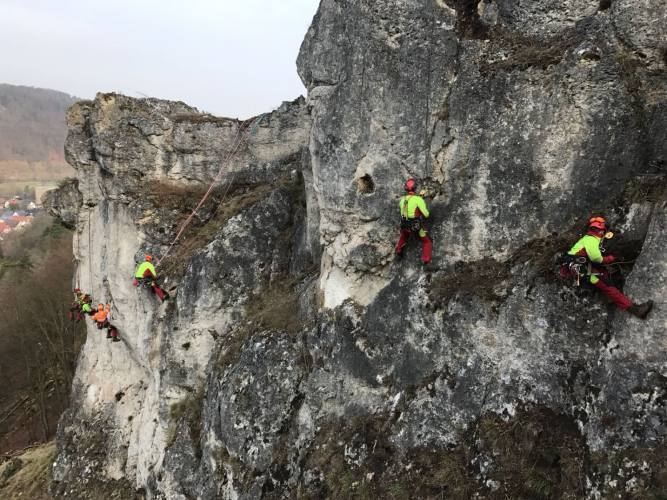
(589, 246)
(86, 308)
(411, 206)
(142, 269)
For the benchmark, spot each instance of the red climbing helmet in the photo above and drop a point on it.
(597, 223)
(410, 185)
(149, 258)
(77, 290)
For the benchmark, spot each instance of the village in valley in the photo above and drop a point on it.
(17, 211)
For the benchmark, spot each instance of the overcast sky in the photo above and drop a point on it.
(229, 57)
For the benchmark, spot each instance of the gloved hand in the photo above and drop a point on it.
(608, 259)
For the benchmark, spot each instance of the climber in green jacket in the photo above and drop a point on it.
(86, 308)
(413, 213)
(146, 273)
(80, 306)
(588, 246)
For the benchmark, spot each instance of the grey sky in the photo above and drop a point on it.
(228, 57)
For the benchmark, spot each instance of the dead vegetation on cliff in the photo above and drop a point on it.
(188, 412)
(175, 204)
(202, 231)
(537, 454)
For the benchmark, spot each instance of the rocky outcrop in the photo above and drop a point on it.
(297, 358)
(64, 203)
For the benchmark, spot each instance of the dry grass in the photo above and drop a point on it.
(32, 479)
(622, 467)
(478, 278)
(200, 118)
(538, 454)
(277, 306)
(214, 214)
(526, 52)
(188, 409)
(209, 118)
(421, 473)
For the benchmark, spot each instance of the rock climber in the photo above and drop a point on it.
(80, 306)
(590, 246)
(75, 309)
(145, 273)
(101, 317)
(413, 213)
(86, 307)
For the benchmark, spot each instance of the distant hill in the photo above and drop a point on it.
(32, 133)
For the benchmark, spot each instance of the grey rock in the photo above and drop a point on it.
(265, 378)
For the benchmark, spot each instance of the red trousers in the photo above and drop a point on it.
(614, 294)
(159, 292)
(113, 331)
(427, 245)
(75, 313)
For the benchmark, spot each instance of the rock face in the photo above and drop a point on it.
(296, 357)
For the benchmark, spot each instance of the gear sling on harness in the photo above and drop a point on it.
(575, 265)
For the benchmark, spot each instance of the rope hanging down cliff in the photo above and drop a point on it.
(239, 139)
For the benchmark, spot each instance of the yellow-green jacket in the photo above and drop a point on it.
(143, 267)
(589, 246)
(413, 206)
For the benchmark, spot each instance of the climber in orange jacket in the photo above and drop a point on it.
(589, 246)
(146, 273)
(101, 317)
(413, 213)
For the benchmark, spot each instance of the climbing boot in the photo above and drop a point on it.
(641, 310)
(115, 339)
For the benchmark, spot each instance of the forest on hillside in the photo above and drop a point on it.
(32, 123)
(38, 343)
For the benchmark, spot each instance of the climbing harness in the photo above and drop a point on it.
(414, 225)
(239, 140)
(576, 266)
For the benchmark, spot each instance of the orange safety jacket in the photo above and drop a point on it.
(101, 314)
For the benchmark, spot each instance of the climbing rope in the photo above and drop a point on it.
(621, 262)
(90, 255)
(77, 248)
(239, 139)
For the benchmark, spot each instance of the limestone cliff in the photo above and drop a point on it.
(297, 359)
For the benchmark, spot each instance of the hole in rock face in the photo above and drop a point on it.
(365, 184)
(186, 346)
(605, 4)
